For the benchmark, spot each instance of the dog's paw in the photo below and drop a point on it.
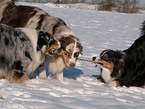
(42, 75)
(112, 84)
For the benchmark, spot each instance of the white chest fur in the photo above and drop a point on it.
(37, 58)
(106, 74)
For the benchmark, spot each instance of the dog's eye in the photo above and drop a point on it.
(105, 57)
(67, 54)
(76, 55)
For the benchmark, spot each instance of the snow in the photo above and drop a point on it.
(97, 31)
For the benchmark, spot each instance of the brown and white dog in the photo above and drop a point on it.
(33, 17)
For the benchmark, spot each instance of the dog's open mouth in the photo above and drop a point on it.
(99, 63)
(105, 64)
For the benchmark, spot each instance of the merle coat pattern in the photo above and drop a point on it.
(33, 17)
(22, 50)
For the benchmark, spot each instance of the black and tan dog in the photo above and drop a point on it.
(22, 50)
(124, 68)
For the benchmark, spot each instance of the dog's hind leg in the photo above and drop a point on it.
(18, 77)
(56, 66)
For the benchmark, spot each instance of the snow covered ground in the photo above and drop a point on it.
(97, 31)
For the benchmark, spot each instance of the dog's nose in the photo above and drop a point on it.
(94, 58)
(72, 64)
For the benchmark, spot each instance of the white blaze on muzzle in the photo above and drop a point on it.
(75, 49)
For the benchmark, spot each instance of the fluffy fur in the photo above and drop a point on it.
(124, 68)
(22, 51)
(32, 17)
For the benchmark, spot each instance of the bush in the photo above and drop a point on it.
(124, 6)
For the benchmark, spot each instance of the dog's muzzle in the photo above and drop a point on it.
(95, 59)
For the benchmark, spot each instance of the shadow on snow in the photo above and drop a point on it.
(73, 73)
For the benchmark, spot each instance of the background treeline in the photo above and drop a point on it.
(63, 1)
(123, 6)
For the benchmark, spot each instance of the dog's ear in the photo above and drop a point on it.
(81, 48)
(44, 38)
(122, 60)
(121, 64)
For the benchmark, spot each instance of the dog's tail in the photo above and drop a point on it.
(143, 28)
(3, 6)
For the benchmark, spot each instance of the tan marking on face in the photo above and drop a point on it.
(70, 46)
(68, 57)
(106, 65)
(105, 55)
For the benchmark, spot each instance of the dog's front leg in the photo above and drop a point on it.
(56, 66)
(41, 72)
(59, 76)
(112, 83)
(17, 76)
